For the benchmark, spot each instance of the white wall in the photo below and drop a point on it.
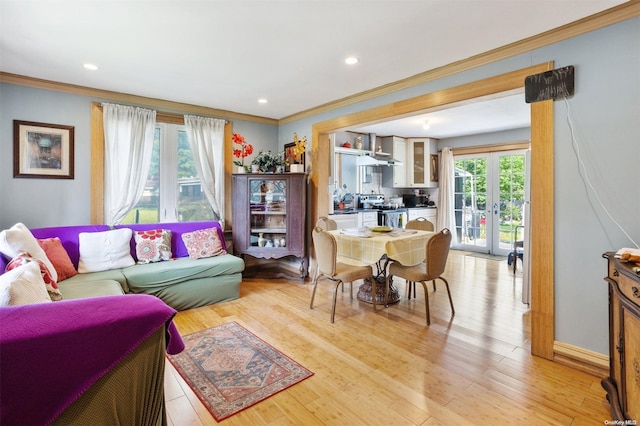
(606, 111)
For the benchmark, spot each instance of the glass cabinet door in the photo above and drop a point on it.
(268, 213)
(419, 163)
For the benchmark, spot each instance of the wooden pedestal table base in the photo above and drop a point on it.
(365, 290)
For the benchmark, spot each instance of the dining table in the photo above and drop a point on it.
(366, 246)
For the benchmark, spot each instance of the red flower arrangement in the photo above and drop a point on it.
(245, 149)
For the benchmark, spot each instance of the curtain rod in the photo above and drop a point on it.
(491, 148)
(170, 117)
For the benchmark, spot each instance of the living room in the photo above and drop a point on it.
(604, 110)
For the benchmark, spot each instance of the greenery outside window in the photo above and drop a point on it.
(172, 192)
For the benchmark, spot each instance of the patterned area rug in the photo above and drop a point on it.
(231, 369)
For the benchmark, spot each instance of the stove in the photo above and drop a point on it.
(370, 201)
(395, 217)
(388, 214)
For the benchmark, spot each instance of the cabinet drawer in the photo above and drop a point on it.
(629, 287)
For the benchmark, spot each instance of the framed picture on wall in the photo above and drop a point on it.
(42, 150)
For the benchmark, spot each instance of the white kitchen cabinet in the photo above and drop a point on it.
(421, 168)
(367, 219)
(345, 221)
(431, 214)
(395, 176)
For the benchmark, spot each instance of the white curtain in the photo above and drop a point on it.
(446, 214)
(206, 138)
(128, 144)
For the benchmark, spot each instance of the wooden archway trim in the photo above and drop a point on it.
(542, 208)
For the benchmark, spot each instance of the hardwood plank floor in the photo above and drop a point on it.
(389, 368)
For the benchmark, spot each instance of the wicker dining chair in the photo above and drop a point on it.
(421, 224)
(328, 225)
(326, 250)
(437, 251)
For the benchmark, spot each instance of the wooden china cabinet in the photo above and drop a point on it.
(623, 383)
(269, 216)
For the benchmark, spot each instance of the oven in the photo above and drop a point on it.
(395, 218)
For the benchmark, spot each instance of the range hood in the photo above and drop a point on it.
(367, 160)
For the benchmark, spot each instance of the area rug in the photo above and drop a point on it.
(231, 369)
(487, 256)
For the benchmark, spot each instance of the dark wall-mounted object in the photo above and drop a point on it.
(547, 85)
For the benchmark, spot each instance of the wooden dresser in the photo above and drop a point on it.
(623, 383)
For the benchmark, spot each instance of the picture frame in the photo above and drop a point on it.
(43, 150)
(290, 156)
(434, 167)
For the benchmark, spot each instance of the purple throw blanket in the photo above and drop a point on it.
(51, 353)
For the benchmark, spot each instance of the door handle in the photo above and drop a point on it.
(495, 208)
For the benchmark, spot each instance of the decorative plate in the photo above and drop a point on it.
(381, 229)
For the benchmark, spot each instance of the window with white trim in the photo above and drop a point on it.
(172, 192)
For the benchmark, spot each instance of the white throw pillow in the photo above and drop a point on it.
(23, 286)
(18, 238)
(101, 251)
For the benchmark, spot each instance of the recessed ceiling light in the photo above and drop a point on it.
(426, 124)
(262, 101)
(351, 60)
(90, 67)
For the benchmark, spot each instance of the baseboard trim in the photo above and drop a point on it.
(581, 359)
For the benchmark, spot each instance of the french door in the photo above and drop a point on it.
(490, 200)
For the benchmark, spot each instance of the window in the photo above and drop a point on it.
(172, 192)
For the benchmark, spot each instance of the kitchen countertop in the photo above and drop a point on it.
(354, 211)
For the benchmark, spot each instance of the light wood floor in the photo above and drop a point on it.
(389, 368)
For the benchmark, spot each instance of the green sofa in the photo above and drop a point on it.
(182, 283)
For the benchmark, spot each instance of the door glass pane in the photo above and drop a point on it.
(192, 202)
(470, 200)
(511, 189)
(148, 208)
(268, 227)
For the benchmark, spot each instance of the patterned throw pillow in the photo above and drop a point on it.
(58, 257)
(23, 258)
(203, 243)
(153, 245)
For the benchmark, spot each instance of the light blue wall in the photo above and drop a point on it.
(55, 202)
(606, 115)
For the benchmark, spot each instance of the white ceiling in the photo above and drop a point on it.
(226, 54)
(483, 116)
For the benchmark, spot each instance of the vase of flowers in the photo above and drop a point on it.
(241, 152)
(299, 148)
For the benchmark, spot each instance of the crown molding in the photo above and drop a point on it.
(161, 104)
(605, 18)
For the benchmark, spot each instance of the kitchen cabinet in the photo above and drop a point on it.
(345, 221)
(367, 219)
(269, 216)
(431, 214)
(420, 167)
(395, 176)
(623, 383)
